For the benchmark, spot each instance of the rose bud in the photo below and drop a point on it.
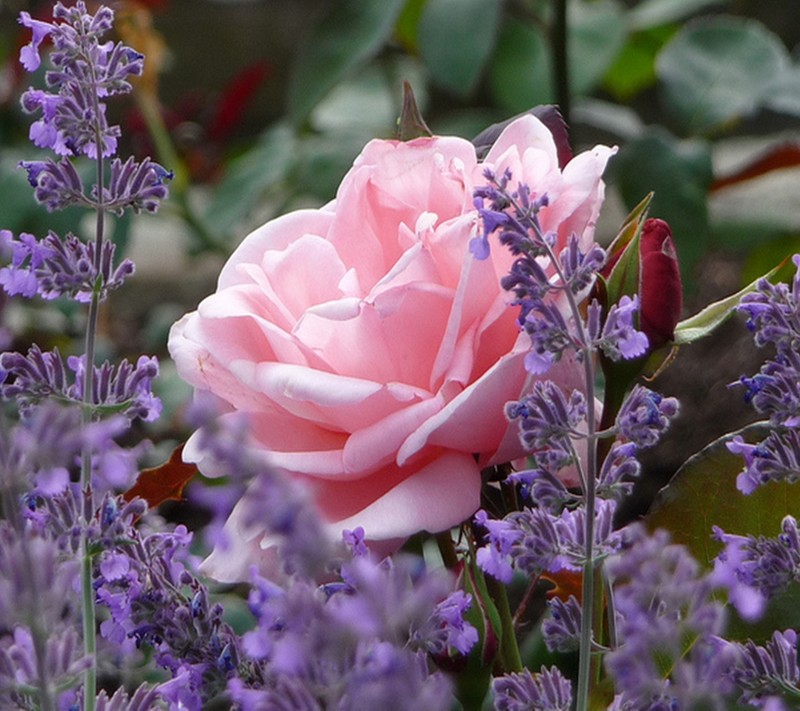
(660, 288)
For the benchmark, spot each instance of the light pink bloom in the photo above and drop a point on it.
(372, 352)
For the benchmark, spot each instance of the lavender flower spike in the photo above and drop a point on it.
(754, 569)
(546, 691)
(768, 671)
(54, 268)
(40, 375)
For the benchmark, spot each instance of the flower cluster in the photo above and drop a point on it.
(667, 653)
(773, 315)
(116, 389)
(553, 422)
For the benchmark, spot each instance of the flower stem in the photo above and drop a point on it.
(510, 657)
(87, 587)
(589, 480)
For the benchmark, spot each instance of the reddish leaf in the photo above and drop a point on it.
(785, 155)
(567, 582)
(165, 482)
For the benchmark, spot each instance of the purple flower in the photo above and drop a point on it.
(136, 185)
(54, 268)
(29, 54)
(495, 558)
(534, 540)
(547, 690)
(775, 391)
(546, 415)
(773, 312)
(668, 653)
(580, 269)
(771, 671)
(117, 389)
(620, 467)
(777, 458)
(619, 338)
(754, 569)
(561, 629)
(86, 69)
(645, 415)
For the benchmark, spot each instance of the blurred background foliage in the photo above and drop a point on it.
(260, 106)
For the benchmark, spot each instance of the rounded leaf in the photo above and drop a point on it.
(718, 70)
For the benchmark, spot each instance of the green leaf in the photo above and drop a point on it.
(719, 70)
(521, 72)
(596, 36)
(652, 13)
(679, 173)
(634, 69)
(624, 253)
(703, 493)
(455, 40)
(713, 315)
(249, 177)
(351, 32)
(783, 94)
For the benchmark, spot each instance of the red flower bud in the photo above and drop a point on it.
(660, 288)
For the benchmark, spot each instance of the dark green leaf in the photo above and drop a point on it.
(455, 40)
(719, 70)
(250, 175)
(596, 36)
(521, 73)
(349, 33)
(679, 173)
(652, 13)
(783, 94)
(703, 493)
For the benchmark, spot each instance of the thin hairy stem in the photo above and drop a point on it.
(87, 587)
(589, 480)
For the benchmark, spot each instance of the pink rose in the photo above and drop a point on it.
(371, 351)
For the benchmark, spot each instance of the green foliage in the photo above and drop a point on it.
(449, 31)
(352, 32)
(679, 172)
(722, 69)
(703, 493)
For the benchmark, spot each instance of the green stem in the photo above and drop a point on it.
(510, 658)
(87, 587)
(561, 59)
(588, 479)
(447, 550)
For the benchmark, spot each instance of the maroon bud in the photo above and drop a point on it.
(660, 288)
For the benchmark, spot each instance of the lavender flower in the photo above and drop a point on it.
(85, 69)
(668, 654)
(561, 629)
(39, 644)
(777, 458)
(86, 72)
(645, 415)
(619, 338)
(754, 569)
(54, 268)
(545, 415)
(360, 645)
(771, 671)
(534, 540)
(773, 313)
(546, 691)
(122, 389)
